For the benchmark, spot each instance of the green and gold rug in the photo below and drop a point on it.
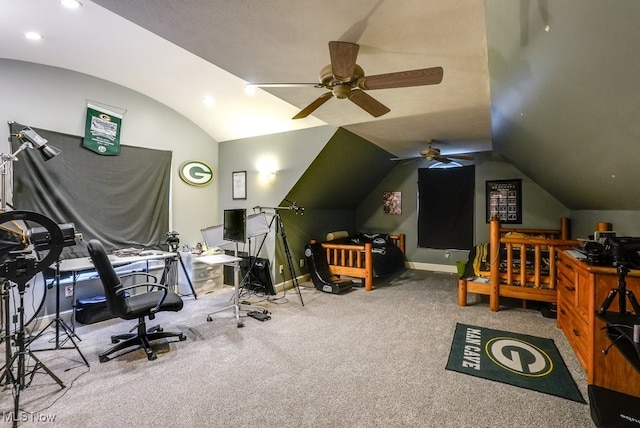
(516, 359)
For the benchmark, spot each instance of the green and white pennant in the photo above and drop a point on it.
(102, 131)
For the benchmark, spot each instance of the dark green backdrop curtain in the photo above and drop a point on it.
(122, 200)
(446, 207)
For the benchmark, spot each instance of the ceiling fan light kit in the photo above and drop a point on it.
(346, 79)
(433, 154)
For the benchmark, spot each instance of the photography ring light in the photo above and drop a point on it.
(57, 240)
(54, 252)
(19, 270)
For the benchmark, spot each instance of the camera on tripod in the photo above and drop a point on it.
(624, 253)
(172, 241)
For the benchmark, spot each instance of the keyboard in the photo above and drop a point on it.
(578, 255)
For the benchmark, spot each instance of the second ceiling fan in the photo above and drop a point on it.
(433, 154)
(346, 79)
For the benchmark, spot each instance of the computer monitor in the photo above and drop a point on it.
(234, 226)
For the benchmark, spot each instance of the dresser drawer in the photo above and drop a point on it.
(203, 272)
(566, 271)
(575, 329)
(208, 285)
(574, 287)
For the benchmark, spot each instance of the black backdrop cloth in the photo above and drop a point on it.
(121, 200)
(446, 207)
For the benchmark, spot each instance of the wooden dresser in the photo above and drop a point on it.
(581, 290)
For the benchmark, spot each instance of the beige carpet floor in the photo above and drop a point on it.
(361, 359)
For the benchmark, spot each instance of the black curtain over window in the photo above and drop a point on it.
(446, 207)
(121, 200)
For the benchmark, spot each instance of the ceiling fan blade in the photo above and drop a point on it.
(402, 79)
(366, 102)
(313, 106)
(343, 59)
(281, 85)
(442, 159)
(461, 157)
(407, 158)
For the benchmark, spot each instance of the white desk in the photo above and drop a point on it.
(81, 264)
(225, 259)
(85, 263)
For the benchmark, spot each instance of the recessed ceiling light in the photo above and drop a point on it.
(547, 28)
(70, 4)
(32, 35)
(208, 100)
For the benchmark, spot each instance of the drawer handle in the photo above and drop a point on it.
(570, 288)
(576, 332)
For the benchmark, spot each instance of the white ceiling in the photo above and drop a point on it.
(274, 41)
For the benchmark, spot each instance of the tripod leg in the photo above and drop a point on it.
(634, 302)
(287, 253)
(40, 364)
(607, 301)
(71, 335)
(184, 270)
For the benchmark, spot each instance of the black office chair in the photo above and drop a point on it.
(125, 305)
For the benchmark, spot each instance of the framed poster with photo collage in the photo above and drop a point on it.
(504, 200)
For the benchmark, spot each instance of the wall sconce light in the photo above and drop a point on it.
(267, 176)
(267, 168)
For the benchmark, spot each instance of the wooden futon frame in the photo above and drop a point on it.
(356, 260)
(505, 278)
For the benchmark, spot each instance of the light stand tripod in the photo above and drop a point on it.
(170, 272)
(60, 324)
(19, 270)
(277, 218)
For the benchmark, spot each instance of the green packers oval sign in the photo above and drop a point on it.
(196, 173)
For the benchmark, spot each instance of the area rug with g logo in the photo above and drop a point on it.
(517, 359)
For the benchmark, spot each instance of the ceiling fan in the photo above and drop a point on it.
(433, 154)
(346, 79)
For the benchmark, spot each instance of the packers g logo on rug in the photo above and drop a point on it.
(519, 357)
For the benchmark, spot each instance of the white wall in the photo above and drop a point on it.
(290, 153)
(55, 99)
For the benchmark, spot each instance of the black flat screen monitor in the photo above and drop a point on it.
(234, 227)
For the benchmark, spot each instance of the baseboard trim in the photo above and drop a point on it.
(287, 285)
(431, 267)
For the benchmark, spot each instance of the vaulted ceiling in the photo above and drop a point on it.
(547, 84)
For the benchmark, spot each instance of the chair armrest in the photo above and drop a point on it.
(152, 285)
(145, 274)
(130, 274)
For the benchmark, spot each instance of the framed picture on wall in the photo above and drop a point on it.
(504, 200)
(392, 203)
(239, 185)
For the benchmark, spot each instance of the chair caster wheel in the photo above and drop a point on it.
(182, 337)
(104, 359)
(209, 319)
(114, 340)
(240, 324)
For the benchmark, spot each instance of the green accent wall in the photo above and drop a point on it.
(338, 180)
